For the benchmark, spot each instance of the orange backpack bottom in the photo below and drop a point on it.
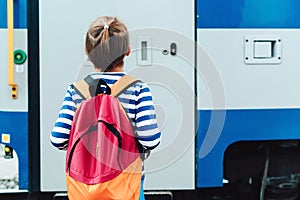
(126, 186)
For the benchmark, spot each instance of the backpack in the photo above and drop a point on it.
(103, 158)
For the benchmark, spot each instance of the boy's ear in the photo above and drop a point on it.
(128, 51)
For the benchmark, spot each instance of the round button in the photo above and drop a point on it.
(19, 57)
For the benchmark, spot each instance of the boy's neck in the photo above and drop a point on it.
(118, 68)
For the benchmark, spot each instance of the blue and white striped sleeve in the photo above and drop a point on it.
(148, 131)
(59, 136)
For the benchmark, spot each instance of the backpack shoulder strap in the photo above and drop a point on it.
(118, 88)
(82, 87)
(122, 84)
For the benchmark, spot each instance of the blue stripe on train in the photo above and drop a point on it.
(20, 13)
(248, 14)
(16, 124)
(239, 125)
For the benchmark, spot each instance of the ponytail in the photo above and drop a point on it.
(107, 42)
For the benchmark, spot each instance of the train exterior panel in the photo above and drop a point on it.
(170, 77)
(253, 96)
(14, 109)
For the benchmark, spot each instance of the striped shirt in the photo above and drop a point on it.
(136, 100)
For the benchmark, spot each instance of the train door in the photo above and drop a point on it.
(13, 96)
(162, 43)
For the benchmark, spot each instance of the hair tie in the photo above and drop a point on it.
(106, 26)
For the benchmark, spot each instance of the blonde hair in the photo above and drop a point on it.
(107, 42)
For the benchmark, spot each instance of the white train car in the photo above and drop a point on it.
(224, 76)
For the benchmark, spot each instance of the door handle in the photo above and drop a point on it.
(10, 49)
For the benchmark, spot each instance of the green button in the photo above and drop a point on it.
(19, 57)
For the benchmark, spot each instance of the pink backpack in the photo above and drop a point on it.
(103, 159)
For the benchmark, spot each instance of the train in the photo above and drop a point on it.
(224, 76)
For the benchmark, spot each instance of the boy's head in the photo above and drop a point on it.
(106, 43)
